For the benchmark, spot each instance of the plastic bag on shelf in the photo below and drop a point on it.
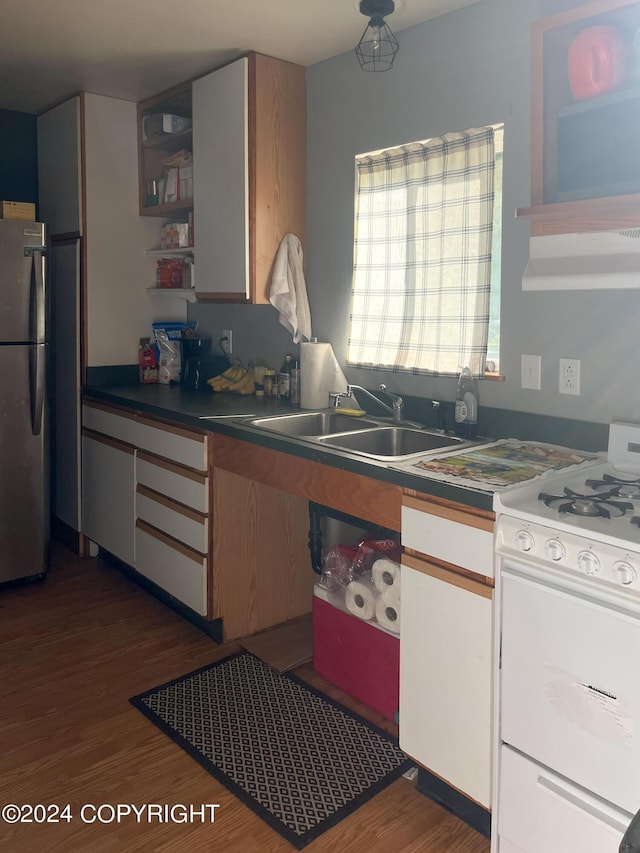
(364, 580)
(336, 567)
(370, 550)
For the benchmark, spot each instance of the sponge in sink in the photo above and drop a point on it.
(356, 413)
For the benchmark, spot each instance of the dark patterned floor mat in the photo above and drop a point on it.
(299, 760)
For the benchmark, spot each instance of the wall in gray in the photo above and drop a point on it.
(461, 70)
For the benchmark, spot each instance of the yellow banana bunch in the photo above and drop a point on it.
(244, 385)
(228, 377)
(235, 378)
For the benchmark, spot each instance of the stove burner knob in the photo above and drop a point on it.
(625, 572)
(588, 562)
(524, 540)
(554, 550)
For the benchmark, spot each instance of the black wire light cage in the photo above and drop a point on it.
(378, 46)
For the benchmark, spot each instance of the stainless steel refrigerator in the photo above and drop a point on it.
(24, 445)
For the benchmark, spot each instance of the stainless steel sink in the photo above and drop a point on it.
(369, 437)
(312, 423)
(391, 443)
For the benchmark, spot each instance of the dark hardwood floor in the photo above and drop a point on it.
(72, 651)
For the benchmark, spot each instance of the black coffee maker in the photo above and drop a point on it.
(192, 347)
(198, 365)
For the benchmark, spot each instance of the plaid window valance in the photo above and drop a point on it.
(422, 255)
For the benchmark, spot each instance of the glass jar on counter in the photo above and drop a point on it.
(270, 383)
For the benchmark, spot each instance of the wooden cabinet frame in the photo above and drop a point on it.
(550, 38)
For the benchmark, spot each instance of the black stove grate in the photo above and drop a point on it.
(588, 506)
(616, 486)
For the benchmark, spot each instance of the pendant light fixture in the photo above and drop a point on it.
(378, 46)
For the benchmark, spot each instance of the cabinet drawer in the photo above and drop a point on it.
(179, 445)
(109, 422)
(177, 521)
(182, 485)
(466, 544)
(539, 811)
(175, 568)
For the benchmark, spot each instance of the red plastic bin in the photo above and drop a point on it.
(359, 657)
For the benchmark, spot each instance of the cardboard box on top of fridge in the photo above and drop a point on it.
(18, 210)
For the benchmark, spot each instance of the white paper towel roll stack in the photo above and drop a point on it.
(388, 609)
(385, 574)
(320, 374)
(361, 599)
(376, 595)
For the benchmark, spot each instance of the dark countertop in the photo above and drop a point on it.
(223, 413)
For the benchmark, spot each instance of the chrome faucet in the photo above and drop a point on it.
(397, 404)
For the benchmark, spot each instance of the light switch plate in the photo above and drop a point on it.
(530, 370)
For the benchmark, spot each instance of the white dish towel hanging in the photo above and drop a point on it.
(288, 293)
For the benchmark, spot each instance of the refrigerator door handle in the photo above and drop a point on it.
(38, 331)
(37, 381)
(38, 293)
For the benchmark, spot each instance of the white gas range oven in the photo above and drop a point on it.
(567, 680)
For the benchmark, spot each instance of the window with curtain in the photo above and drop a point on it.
(426, 279)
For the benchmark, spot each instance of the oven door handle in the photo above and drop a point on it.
(568, 798)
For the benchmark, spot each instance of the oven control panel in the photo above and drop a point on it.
(576, 554)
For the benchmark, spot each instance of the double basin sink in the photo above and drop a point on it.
(382, 440)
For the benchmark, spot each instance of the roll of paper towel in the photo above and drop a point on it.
(388, 610)
(320, 374)
(361, 599)
(385, 574)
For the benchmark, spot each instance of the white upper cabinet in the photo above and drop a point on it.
(221, 186)
(249, 171)
(118, 310)
(60, 199)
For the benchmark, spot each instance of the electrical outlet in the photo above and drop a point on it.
(228, 344)
(570, 376)
(530, 369)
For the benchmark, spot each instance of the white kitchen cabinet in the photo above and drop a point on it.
(116, 423)
(451, 535)
(60, 207)
(108, 481)
(173, 522)
(64, 350)
(87, 173)
(118, 309)
(249, 146)
(177, 444)
(566, 196)
(445, 676)
(178, 570)
(221, 191)
(188, 487)
(146, 498)
(446, 645)
(175, 519)
(59, 168)
(248, 137)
